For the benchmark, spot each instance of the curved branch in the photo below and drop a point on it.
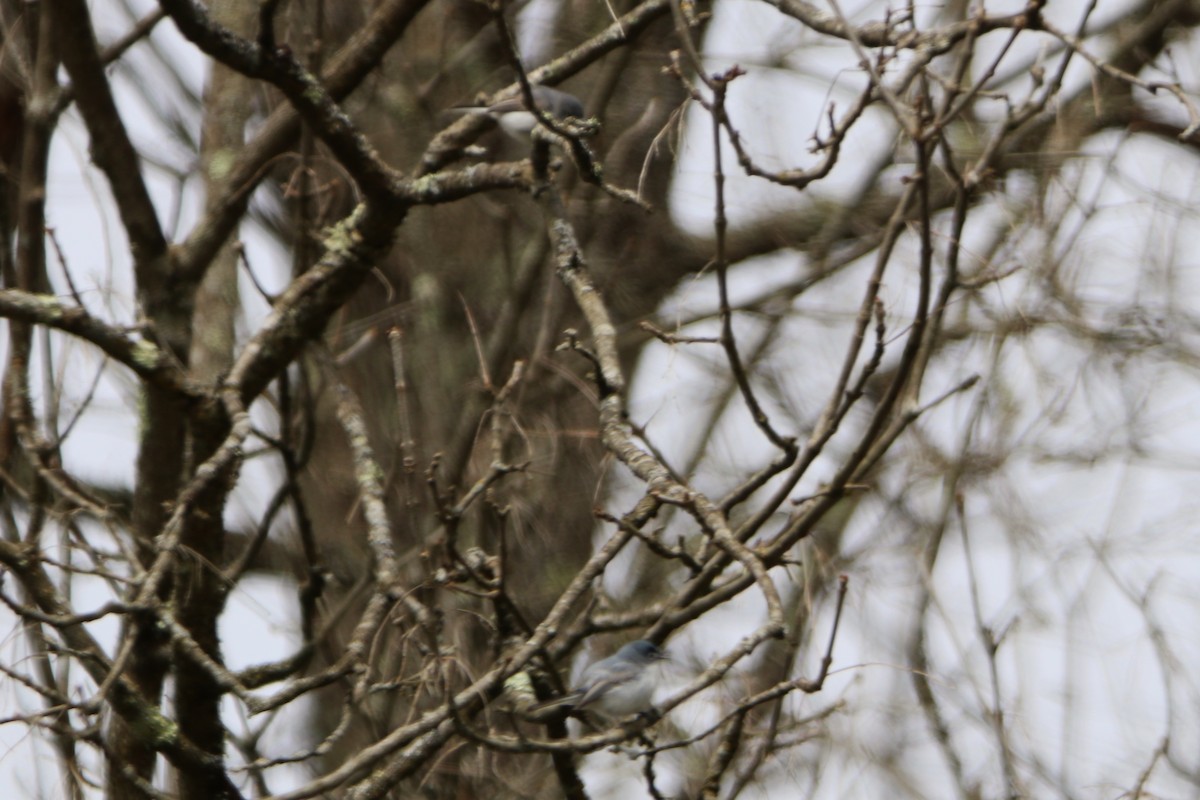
(148, 361)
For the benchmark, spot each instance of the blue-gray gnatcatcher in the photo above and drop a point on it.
(518, 121)
(617, 686)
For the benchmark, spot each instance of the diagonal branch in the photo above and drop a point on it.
(111, 147)
(304, 90)
(144, 358)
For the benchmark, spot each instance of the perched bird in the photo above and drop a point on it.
(515, 118)
(617, 686)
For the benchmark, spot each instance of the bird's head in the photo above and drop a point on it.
(643, 650)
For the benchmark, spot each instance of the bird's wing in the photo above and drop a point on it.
(597, 682)
(596, 690)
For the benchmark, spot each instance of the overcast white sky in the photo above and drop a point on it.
(1082, 686)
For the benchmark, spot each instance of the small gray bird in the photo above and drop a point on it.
(517, 121)
(617, 686)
